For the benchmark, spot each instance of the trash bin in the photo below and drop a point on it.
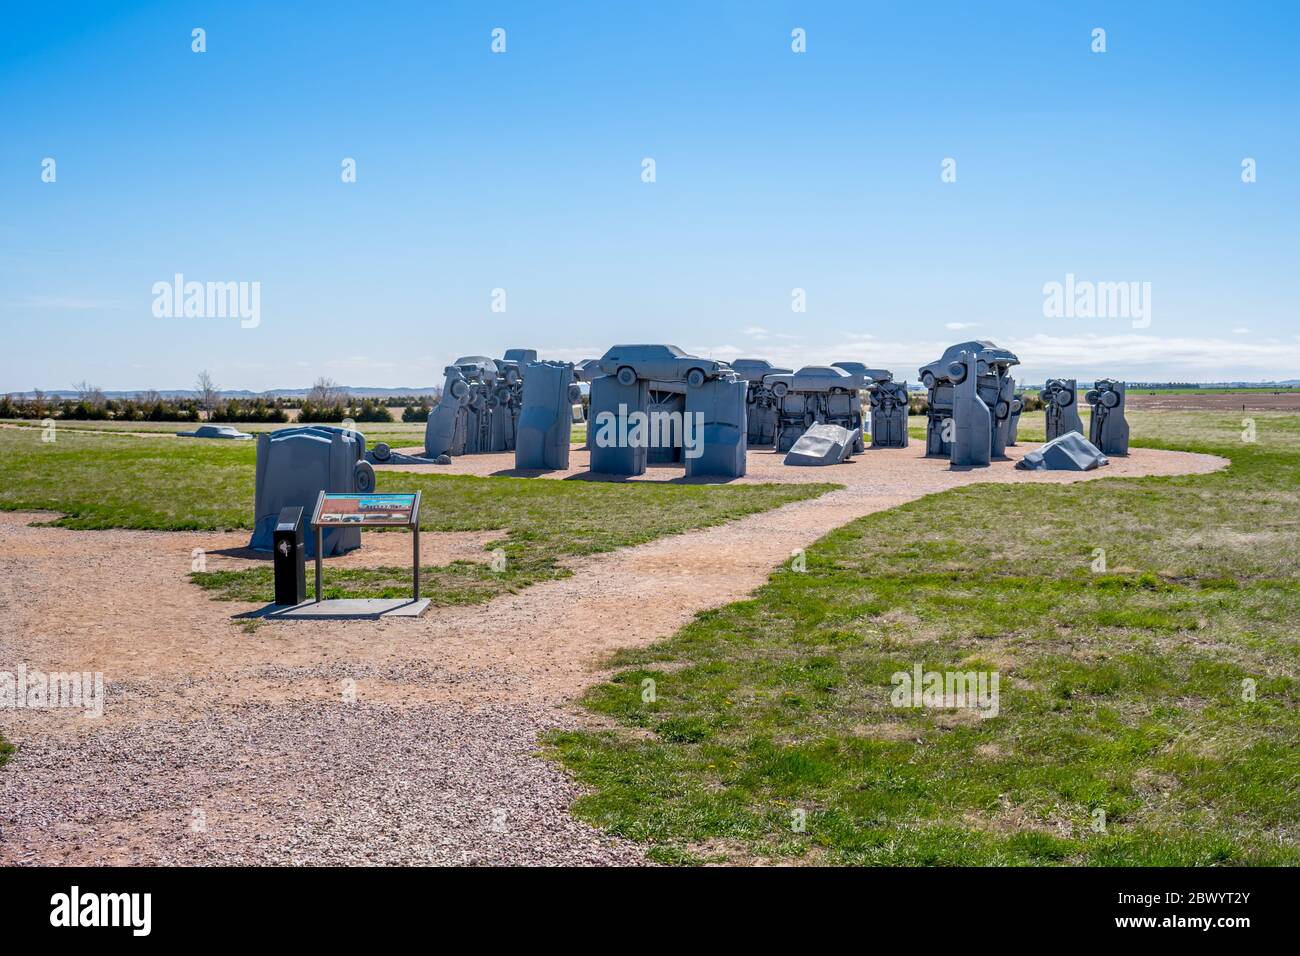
(290, 557)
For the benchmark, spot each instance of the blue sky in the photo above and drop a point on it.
(522, 171)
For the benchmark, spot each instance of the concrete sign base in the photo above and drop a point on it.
(348, 609)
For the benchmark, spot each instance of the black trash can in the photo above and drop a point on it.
(290, 558)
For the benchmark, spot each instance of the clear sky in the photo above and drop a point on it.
(523, 171)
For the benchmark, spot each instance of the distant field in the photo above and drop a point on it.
(1221, 401)
(1149, 711)
(1133, 389)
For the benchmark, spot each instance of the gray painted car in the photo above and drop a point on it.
(987, 356)
(217, 431)
(753, 370)
(813, 378)
(659, 363)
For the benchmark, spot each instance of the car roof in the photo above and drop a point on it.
(670, 349)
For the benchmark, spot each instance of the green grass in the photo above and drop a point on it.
(120, 481)
(6, 749)
(397, 434)
(543, 523)
(1121, 694)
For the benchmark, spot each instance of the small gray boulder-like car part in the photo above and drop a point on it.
(1069, 452)
(823, 445)
(216, 431)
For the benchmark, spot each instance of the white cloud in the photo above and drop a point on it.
(959, 326)
(1241, 330)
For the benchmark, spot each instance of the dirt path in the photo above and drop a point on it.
(354, 742)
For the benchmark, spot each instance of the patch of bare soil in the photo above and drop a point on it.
(1253, 401)
(219, 712)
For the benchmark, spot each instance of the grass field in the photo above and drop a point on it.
(1125, 733)
(101, 480)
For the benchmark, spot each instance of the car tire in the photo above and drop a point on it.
(780, 389)
(1065, 398)
(957, 372)
(1093, 396)
(695, 377)
(1110, 399)
(626, 376)
(927, 379)
(459, 389)
(364, 478)
(381, 451)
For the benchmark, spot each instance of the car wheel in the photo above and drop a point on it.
(626, 376)
(957, 372)
(780, 389)
(1065, 397)
(365, 477)
(1110, 399)
(512, 375)
(381, 451)
(1002, 410)
(695, 378)
(1092, 396)
(459, 389)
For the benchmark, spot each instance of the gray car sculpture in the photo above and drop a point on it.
(816, 395)
(1108, 429)
(632, 373)
(759, 398)
(889, 404)
(1013, 425)
(294, 465)
(993, 385)
(657, 363)
(545, 423)
(972, 421)
(216, 431)
(480, 405)
(1061, 407)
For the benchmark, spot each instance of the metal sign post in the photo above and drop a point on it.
(415, 547)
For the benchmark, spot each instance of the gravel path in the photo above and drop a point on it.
(400, 741)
